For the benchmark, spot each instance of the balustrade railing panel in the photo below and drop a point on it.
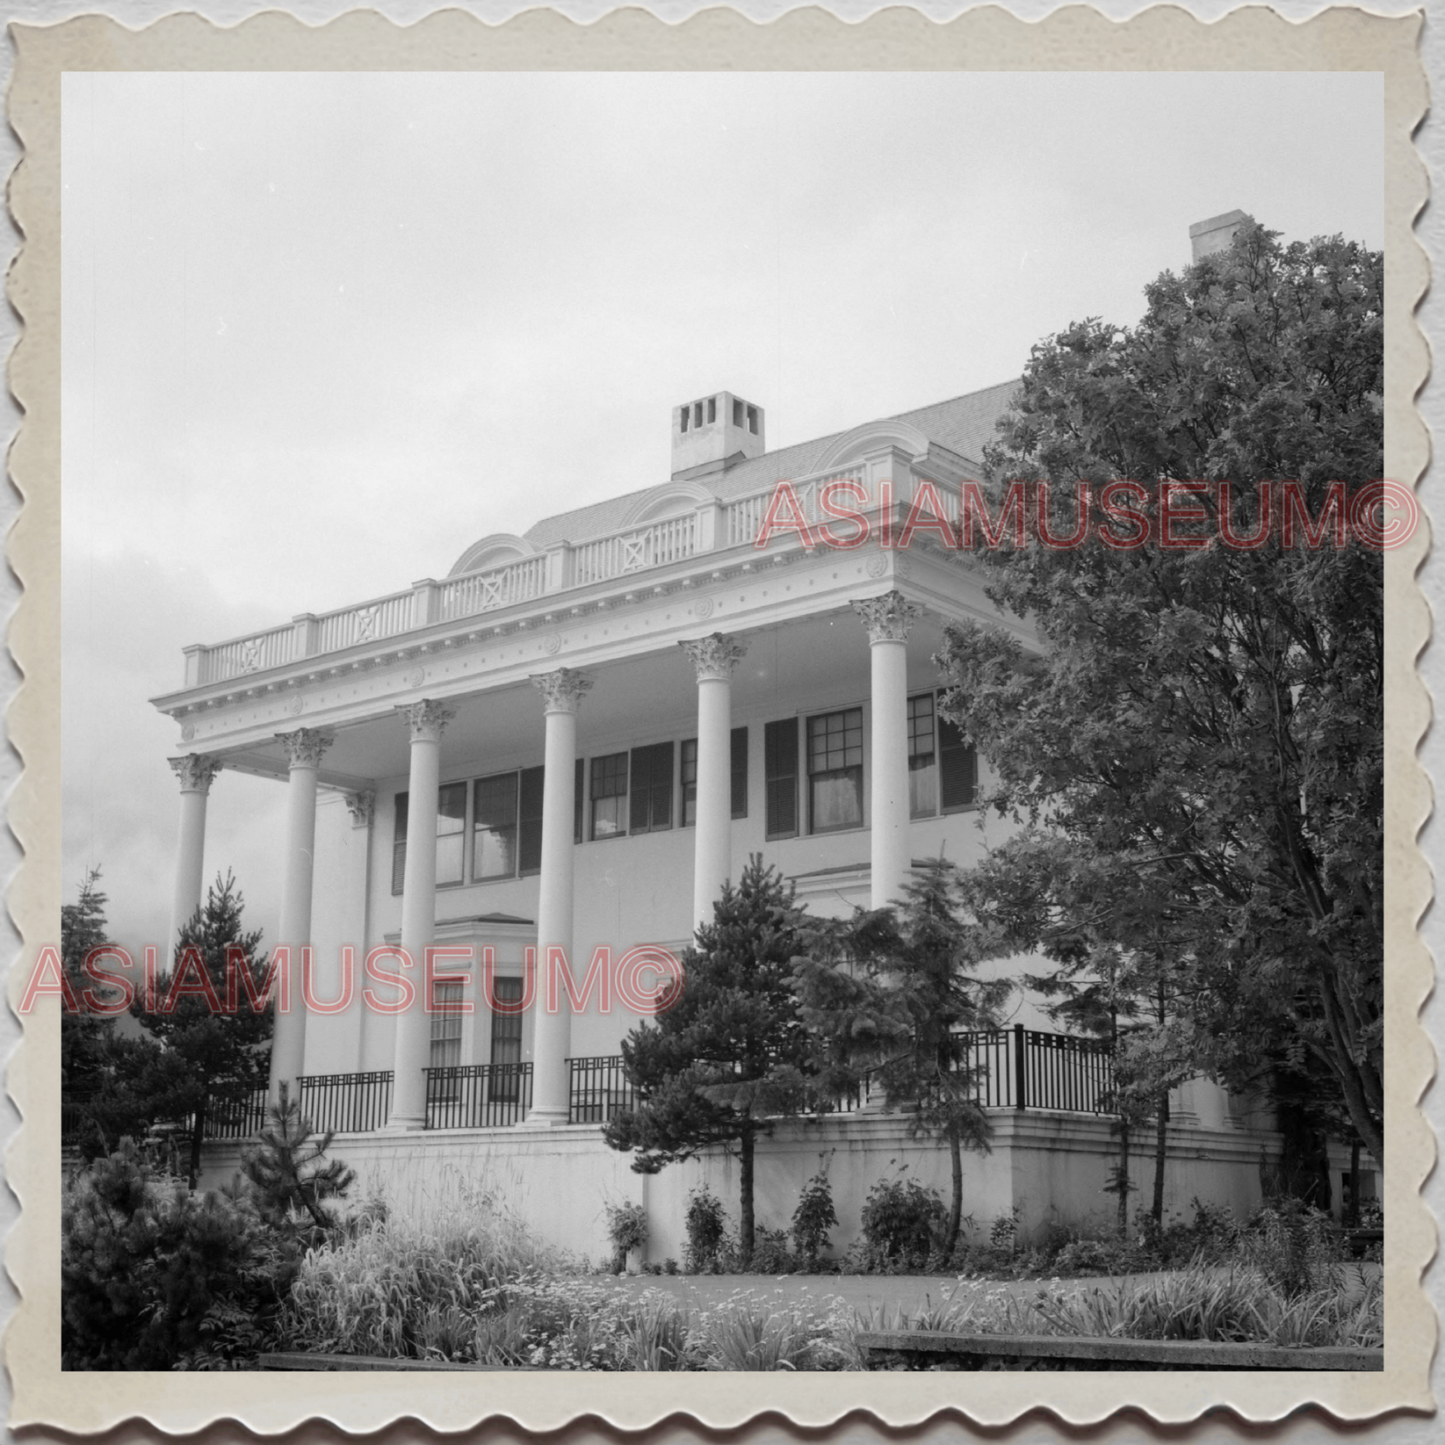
(598, 1088)
(369, 622)
(669, 540)
(248, 654)
(476, 592)
(478, 1096)
(346, 1103)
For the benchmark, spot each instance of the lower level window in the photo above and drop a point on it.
(506, 1056)
(446, 1026)
(835, 770)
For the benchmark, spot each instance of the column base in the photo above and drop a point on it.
(403, 1126)
(544, 1119)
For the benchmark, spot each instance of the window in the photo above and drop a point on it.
(506, 1057)
(446, 1026)
(529, 819)
(451, 836)
(738, 760)
(652, 788)
(835, 770)
(609, 796)
(451, 831)
(780, 768)
(957, 768)
(922, 758)
(494, 827)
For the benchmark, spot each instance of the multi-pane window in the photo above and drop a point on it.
(922, 758)
(652, 788)
(738, 760)
(835, 770)
(506, 1053)
(494, 827)
(609, 796)
(446, 1025)
(780, 771)
(451, 835)
(957, 768)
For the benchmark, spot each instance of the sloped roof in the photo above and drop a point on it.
(963, 424)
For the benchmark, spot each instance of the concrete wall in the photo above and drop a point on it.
(1052, 1166)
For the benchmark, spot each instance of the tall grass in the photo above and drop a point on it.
(414, 1288)
(1207, 1304)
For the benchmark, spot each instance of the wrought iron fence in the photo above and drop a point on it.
(598, 1088)
(345, 1103)
(478, 1096)
(1062, 1071)
(236, 1118)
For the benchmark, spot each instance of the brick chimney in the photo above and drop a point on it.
(1215, 234)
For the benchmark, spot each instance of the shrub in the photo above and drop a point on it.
(1295, 1246)
(770, 1252)
(627, 1229)
(706, 1226)
(902, 1222)
(813, 1218)
(295, 1186)
(154, 1276)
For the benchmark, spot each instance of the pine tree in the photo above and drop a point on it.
(216, 1057)
(732, 1054)
(890, 994)
(290, 1171)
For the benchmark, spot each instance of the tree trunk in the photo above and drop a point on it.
(1123, 1180)
(198, 1134)
(1161, 1154)
(1354, 1219)
(745, 1203)
(955, 1208)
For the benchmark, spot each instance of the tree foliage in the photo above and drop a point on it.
(295, 1186)
(215, 1058)
(1198, 750)
(731, 1054)
(890, 993)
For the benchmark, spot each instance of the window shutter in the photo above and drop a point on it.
(780, 768)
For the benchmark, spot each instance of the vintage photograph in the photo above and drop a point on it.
(722, 722)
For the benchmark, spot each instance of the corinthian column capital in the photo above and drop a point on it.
(561, 690)
(305, 746)
(361, 806)
(715, 657)
(196, 772)
(427, 720)
(888, 617)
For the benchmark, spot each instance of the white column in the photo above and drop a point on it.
(552, 1033)
(888, 619)
(715, 659)
(195, 772)
(304, 748)
(427, 721)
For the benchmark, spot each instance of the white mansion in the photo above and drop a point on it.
(570, 742)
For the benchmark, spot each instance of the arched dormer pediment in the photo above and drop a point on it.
(492, 551)
(671, 500)
(862, 440)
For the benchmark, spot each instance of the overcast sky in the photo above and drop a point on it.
(323, 331)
